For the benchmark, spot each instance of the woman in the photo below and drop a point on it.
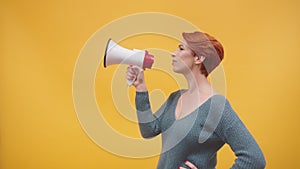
(196, 122)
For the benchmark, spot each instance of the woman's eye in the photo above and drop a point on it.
(181, 48)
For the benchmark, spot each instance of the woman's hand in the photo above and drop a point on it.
(136, 73)
(191, 165)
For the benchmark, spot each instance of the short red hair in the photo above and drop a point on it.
(205, 45)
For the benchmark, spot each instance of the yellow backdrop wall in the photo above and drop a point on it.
(41, 40)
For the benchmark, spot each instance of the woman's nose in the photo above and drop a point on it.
(173, 54)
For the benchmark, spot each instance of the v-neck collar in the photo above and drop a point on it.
(181, 92)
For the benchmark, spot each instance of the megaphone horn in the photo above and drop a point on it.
(115, 54)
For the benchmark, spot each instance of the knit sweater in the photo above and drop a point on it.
(199, 135)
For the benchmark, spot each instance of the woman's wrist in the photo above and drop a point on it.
(141, 88)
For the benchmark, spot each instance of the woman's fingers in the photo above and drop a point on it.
(130, 76)
(191, 165)
(131, 69)
(131, 73)
(135, 77)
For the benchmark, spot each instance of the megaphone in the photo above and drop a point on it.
(115, 54)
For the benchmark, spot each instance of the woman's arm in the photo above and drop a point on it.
(148, 122)
(240, 140)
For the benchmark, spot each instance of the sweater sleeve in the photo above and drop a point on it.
(240, 140)
(148, 122)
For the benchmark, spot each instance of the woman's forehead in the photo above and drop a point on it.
(184, 43)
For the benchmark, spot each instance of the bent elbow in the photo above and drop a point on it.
(147, 135)
(148, 130)
(261, 163)
(250, 160)
(260, 160)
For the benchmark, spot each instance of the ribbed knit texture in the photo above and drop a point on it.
(181, 139)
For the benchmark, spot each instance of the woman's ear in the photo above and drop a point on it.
(199, 60)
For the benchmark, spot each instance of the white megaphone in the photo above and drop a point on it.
(115, 54)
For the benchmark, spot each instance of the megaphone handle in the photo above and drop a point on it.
(130, 82)
(137, 71)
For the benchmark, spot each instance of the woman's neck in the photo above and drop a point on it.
(197, 82)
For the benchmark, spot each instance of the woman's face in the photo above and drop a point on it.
(183, 58)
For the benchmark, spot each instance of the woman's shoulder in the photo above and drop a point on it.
(220, 99)
(180, 91)
(177, 93)
(219, 103)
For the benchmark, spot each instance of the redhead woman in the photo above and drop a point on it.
(195, 122)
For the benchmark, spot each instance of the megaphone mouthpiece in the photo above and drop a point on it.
(148, 60)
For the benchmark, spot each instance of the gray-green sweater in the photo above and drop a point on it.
(198, 136)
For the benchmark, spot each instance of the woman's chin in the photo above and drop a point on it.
(176, 70)
(181, 70)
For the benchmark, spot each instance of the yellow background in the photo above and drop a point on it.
(41, 40)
